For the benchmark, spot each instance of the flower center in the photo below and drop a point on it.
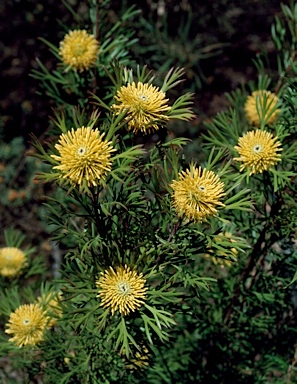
(8, 257)
(81, 151)
(194, 197)
(124, 288)
(257, 148)
(79, 49)
(26, 321)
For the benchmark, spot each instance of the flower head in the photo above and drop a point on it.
(258, 151)
(260, 105)
(83, 156)
(196, 193)
(12, 260)
(27, 323)
(121, 289)
(145, 105)
(79, 50)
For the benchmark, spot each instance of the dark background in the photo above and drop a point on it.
(241, 28)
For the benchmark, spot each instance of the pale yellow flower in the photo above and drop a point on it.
(27, 324)
(196, 193)
(84, 155)
(258, 151)
(260, 105)
(12, 260)
(121, 289)
(68, 358)
(145, 104)
(79, 50)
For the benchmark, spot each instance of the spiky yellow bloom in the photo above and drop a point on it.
(79, 50)
(12, 260)
(196, 193)
(83, 156)
(28, 324)
(258, 151)
(260, 105)
(50, 303)
(145, 105)
(121, 289)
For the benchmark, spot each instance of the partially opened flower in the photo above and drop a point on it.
(27, 324)
(12, 260)
(84, 156)
(145, 104)
(261, 105)
(121, 289)
(197, 193)
(79, 50)
(258, 151)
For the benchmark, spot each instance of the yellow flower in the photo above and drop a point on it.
(260, 105)
(68, 359)
(196, 194)
(83, 156)
(121, 289)
(50, 303)
(145, 105)
(79, 50)
(12, 260)
(258, 151)
(27, 323)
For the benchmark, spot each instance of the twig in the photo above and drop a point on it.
(291, 367)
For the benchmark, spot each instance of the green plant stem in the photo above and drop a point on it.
(254, 258)
(282, 77)
(291, 368)
(175, 229)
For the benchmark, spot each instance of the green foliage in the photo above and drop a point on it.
(17, 173)
(70, 88)
(183, 48)
(210, 301)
